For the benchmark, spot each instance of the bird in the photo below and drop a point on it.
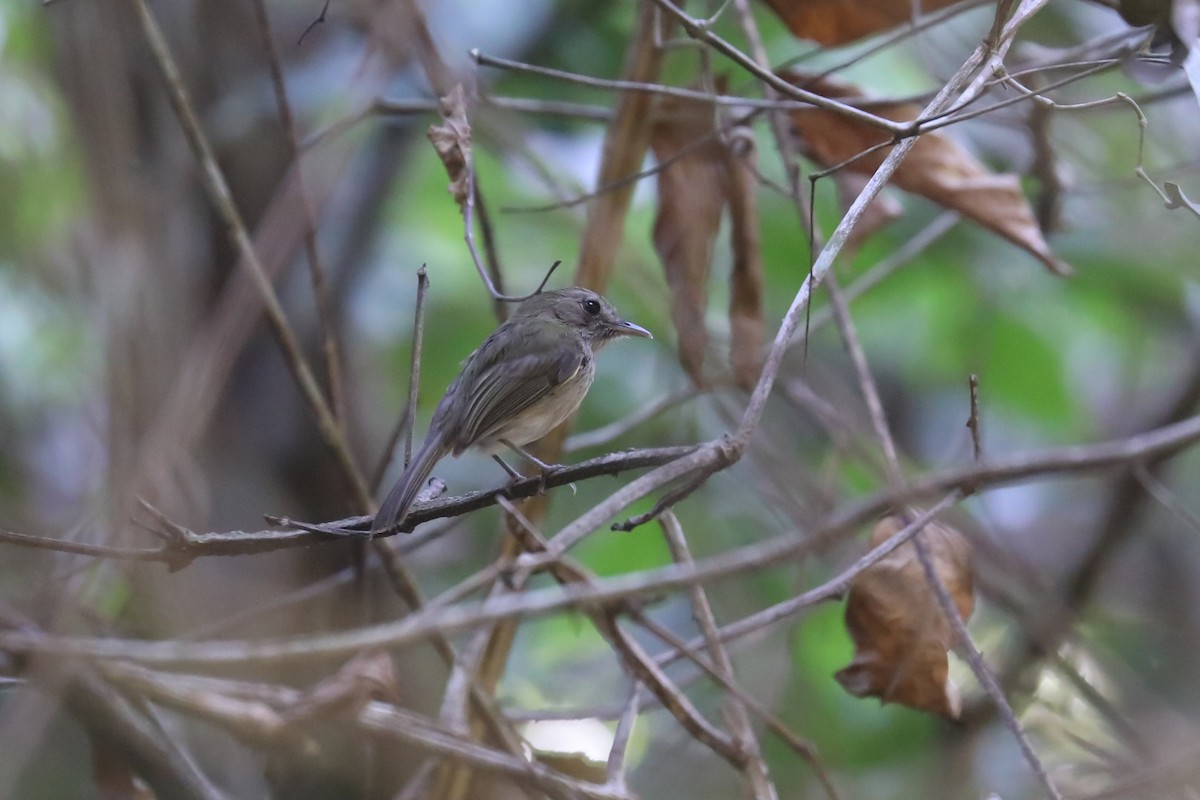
(521, 383)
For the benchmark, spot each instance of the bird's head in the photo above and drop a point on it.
(583, 310)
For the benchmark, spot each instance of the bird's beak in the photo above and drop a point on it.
(624, 328)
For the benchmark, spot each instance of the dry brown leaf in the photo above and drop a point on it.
(452, 141)
(691, 198)
(901, 635)
(746, 325)
(836, 22)
(937, 167)
(703, 177)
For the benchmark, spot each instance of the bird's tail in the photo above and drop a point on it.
(395, 506)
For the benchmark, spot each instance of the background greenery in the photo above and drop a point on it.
(112, 261)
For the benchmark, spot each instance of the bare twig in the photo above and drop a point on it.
(404, 425)
(112, 718)
(690, 651)
(1166, 498)
(492, 251)
(614, 430)
(620, 744)
(835, 587)
(739, 722)
(700, 32)
(418, 784)
(83, 548)
(982, 672)
(669, 499)
(320, 18)
(1067, 460)
(807, 99)
(902, 256)
(636, 660)
(973, 419)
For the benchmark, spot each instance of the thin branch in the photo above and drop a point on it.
(404, 425)
(973, 418)
(83, 548)
(485, 274)
(739, 721)
(614, 430)
(658, 167)
(111, 717)
(806, 99)
(492, 251)
(312, 25)
(636, 660)
(669, 500)
(933, 123)
(542, 601)
(800, 746)
(699, 31)
(833, 589)
(1166, 498)
(982, 672)
(902, 256)
(1073, 460)
(418, 785)
(383, 106)
(621, 737)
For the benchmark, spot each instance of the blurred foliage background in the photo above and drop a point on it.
(134, 364)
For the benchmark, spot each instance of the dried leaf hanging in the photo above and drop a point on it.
(704, 174)
(452, 141)
(937, 167)
(900, 632)
(836, 22)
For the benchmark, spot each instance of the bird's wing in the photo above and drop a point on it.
(505, 385)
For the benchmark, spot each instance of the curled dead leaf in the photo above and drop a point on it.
(835, 22)
(703, 174)
(901, 635)
(452, 141)
(937, 167)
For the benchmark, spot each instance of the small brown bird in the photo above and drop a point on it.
(525, 379)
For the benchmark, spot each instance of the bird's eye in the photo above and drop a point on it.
(592, 307)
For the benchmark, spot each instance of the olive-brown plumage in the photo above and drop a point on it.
(525, 379)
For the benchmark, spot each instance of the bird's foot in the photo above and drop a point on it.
(544, 468)
(514, 477)
(537, 462)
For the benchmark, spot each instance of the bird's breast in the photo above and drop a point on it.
(545, 415)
